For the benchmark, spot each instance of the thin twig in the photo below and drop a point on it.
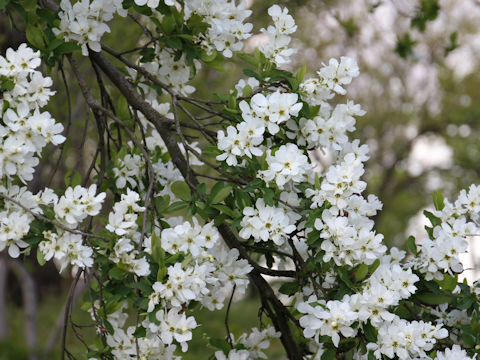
(229, 335)
(68, 308)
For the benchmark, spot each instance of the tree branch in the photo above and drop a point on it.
(160, 123)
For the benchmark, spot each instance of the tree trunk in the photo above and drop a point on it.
(3, 296)
(29, 304)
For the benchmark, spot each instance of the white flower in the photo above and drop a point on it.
(276, 48)
(289, 164)
(455, 353)
(265, 223)
(243, 140)
(335, 319)
(174, 326)
(272, 110)
(336, 74)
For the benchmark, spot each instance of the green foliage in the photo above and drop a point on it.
(405, 45)
(427, 11)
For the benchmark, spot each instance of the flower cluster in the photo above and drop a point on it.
(330, 80)
(340, 184)
(327, 130)
(226, 30)
(452, 228)
(77, 203)
(30, 87)
(289, 165)
(128, 170)
(276, 48)
(208, 277)
(122, 221)
(241, 140)
(289, 143)
(407, 340)
(263, 113)
(65, 247)
(252, 345)
(85, 22)
(125, 346)
(265, 223)
(25, 130)
(172, 71)
(389, 284)
(14, 225)
(273, 109)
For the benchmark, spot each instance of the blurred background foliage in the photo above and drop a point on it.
(420, 85)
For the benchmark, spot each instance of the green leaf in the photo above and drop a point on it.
(174, 42)
(247, 90)
(374, 266)
(221, 344)
(6, 84)
(329, 354)
(35, 37)
(427, 11)
(434, 299)
(343, 273)
(226, 210)
(208, 58)
(318, 185)
(221, 194)
(361, 272)
(448, 282)
(158, 253)
(202, 188)
(117, 273)
(466, 303)
(289, 288)
(411, 245)
(251, 73)
(67, 177)
(181, 190)
(370, 332)
(433, 219)
(40, 257)
(113, 306)
(268, 195)
(301, 73)
(453, 43)
(144, 286)
(140, 332)
(468, 339)
(52, 45)
(405, 45)
(3, 4)
(249, 59)
(349, 25)
(176, 206)
(28, 5)
(168, 24)
(438, 200)
(67, 48)
(148, 54)
(77, 179)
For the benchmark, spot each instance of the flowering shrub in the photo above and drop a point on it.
(163, 225)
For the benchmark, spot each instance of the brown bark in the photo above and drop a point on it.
(29, 296)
